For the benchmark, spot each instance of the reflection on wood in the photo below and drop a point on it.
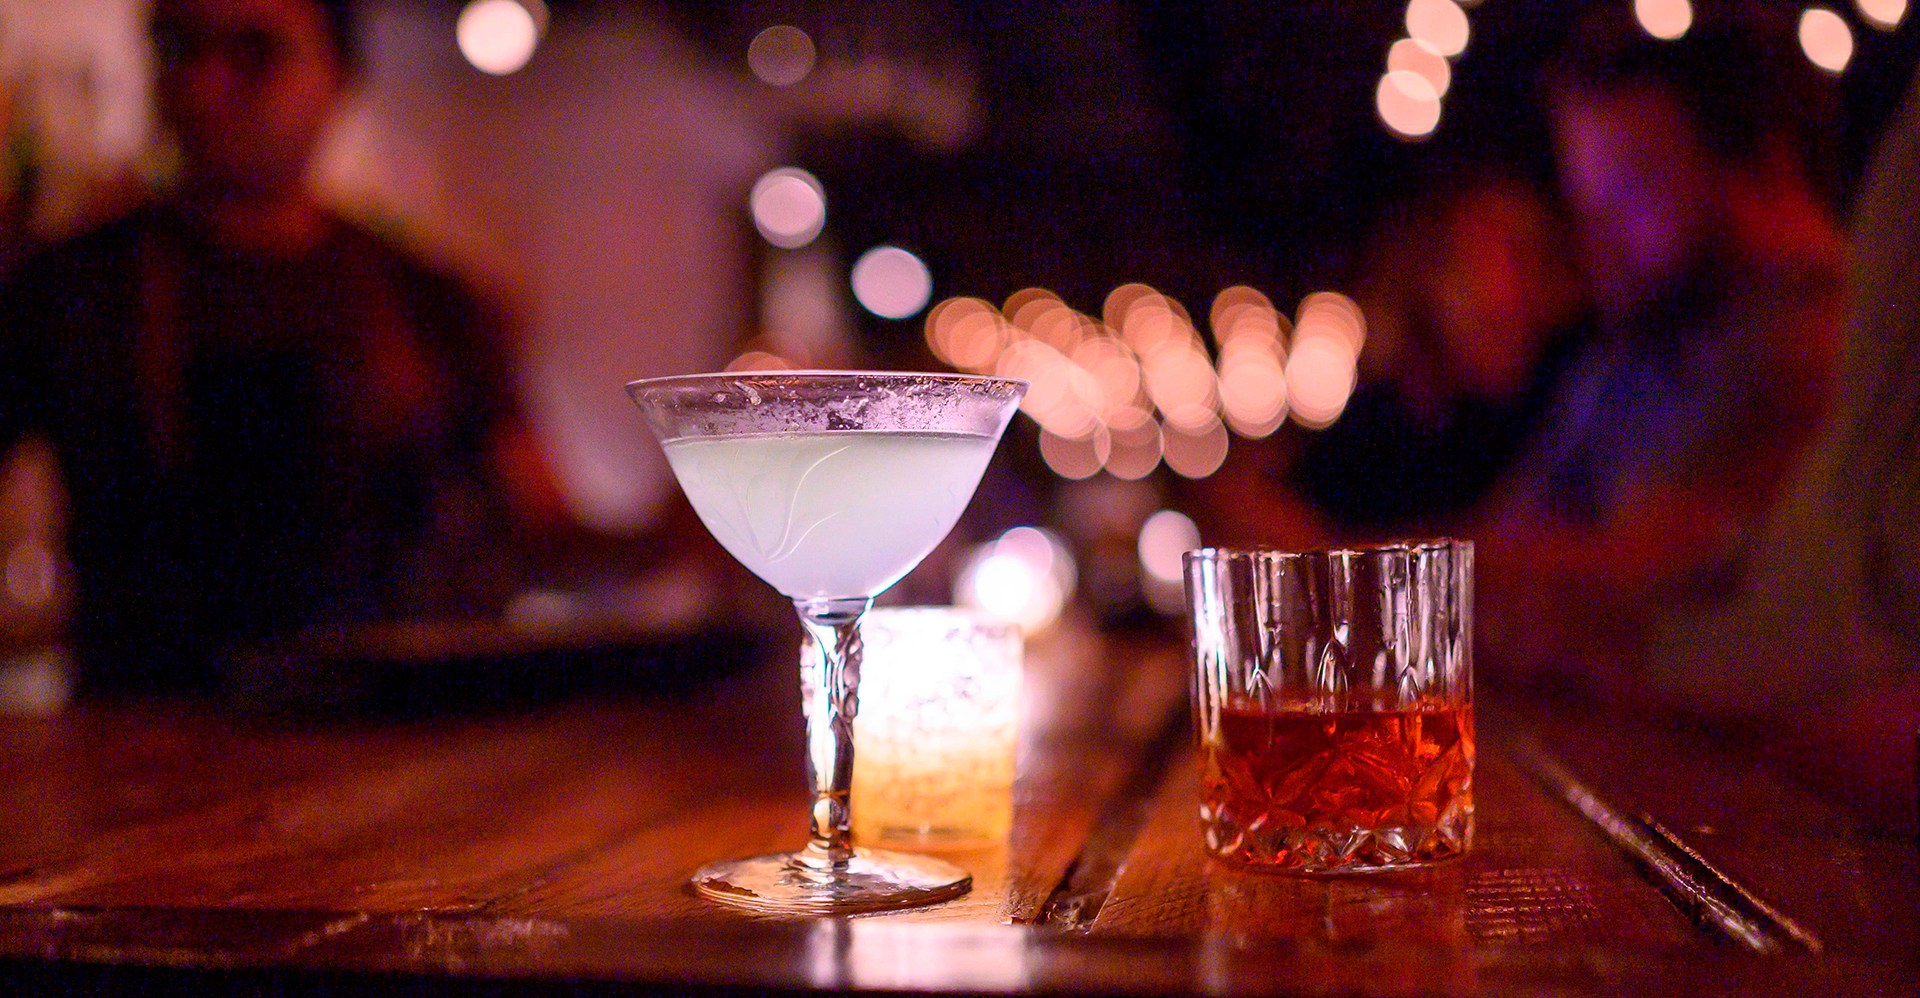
(1532, 878)
(156, 847)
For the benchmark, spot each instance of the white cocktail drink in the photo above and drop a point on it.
(831, 486)
(830, 515)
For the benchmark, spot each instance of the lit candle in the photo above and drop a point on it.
(937, 729)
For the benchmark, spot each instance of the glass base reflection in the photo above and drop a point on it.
(802, 884)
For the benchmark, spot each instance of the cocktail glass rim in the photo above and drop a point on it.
(829, 875)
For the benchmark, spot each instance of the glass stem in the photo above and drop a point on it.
(830, 690)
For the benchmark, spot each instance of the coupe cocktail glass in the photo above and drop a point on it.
(831, 487)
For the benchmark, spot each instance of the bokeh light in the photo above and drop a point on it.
(498, 37)
(1020, 299)
(1164, 540)
(1826, 39)
(1195, 452)
(781, 55)
(891, 282)
(1330, 313)
(1439, 23)
(1253, 390)
(759, 360)
(1411, 55)
(1137, 386)
(1114, 370)
(789, 207)
(1055, 324)
(1023, 578)
(1231, 300)
(1120, 302)
(1152, 321)
(1181, 383)
(1664, 19)
(1075, 459)
(1135, 451)
(1407, 103)
(966, 333)
(977, 339)
(1883, 14)
(1320, 376)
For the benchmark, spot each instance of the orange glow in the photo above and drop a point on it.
(1075, 459)
(1074, 413)
(789, 207)
(1120, 302)
(1198, 452)
(1253, 391)
(1155, 322)
(1883, 14)
(1439, 23)
(1411, 55)
(498, 37)
(1235, 297)
(1141, 388)
(1058, 392)
(1320, 376)
(1034, 362)
(964, 333)
(977, 338)
(759, 360)
(781, 55)
(1031, 312)
(1243, 315)
(1130, 417)
(32, 574)
(1071, 420)
(1019, 300)
(1826, 39)
(1257, 431)
(1257, 326)
(1181, 383)
(1136, 452)
(1331, 313)
(938, 329)
(1115, 372)
(1113, 310)
(1664, 19)
(1407, 103)
(1059, 327)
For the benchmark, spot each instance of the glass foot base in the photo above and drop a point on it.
(872, 880)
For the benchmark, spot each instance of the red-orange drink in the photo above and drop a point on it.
(1327, 790)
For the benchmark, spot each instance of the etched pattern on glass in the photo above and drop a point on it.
(1333, 692)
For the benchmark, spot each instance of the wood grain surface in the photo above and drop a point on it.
(165, 846)
(1532, 878)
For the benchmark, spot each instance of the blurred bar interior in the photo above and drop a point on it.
(1200, 230)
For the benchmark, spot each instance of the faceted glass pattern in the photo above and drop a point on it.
(1333, 693)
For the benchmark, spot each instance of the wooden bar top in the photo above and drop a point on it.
(158, 845)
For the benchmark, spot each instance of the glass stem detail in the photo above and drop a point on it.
(830, 692)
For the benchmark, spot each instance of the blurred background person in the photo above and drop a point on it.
(1472, 304)
(268, 419)
(16, 185)
(1694, 170)
(1815, 644)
